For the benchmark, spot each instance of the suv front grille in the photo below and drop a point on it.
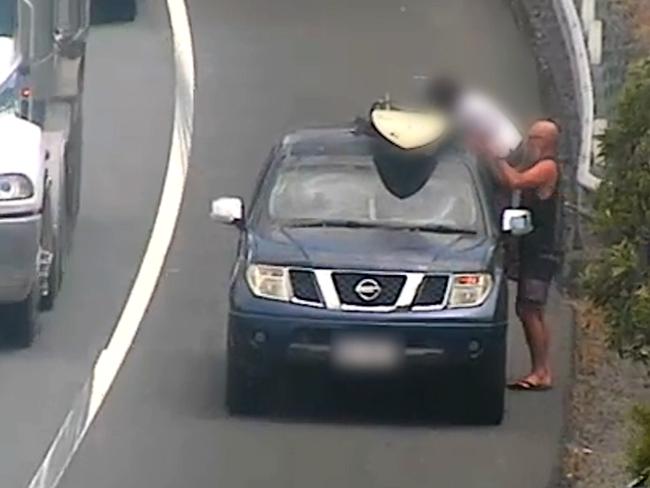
(357, 288)
(432, 291)
(304, 286)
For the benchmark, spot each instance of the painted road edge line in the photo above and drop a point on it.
(88, 402)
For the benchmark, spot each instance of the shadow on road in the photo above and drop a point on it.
(313, 399)
(409, 403)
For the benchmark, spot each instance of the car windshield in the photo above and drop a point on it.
(8, 94)
(348, 190)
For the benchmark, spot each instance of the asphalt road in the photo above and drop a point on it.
(264, 67)
(126, 144)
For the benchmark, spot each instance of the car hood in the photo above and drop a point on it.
(381, 249)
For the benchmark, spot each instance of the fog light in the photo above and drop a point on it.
(259, 337)
(474, 347)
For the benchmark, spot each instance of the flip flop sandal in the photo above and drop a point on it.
(526, 385)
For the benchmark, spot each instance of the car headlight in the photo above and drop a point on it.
(15, 187)
(469, 290)
(269, 282)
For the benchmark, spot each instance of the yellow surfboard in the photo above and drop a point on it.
(409, 130)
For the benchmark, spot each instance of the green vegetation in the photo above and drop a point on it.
(618, 279)
(639, 448)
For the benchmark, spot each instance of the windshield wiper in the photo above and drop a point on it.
(331, 223)
(439, 229)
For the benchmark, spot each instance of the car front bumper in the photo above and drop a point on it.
(19, 247)
(261, 343)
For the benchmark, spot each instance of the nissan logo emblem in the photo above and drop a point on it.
(368, 289)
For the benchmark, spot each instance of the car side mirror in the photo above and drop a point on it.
(228, 210)
(517, 221)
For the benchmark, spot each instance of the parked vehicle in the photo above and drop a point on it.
(334, 271)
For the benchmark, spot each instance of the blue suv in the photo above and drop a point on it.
(334, 271)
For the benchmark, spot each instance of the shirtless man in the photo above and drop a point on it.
(494, 134)
(539, 185)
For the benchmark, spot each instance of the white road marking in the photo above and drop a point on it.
(105, 370)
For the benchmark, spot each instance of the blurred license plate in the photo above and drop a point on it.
(366, 353)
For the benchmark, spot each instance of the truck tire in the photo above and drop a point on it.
(52, 243)
(73, 155)
(23, 320)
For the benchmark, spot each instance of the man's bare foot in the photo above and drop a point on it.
(532, 382)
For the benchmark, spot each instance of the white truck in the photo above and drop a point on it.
(42, 54)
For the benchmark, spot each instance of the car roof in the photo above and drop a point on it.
(322, 134)
(340, 140)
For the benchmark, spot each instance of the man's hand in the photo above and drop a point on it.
(542, 175)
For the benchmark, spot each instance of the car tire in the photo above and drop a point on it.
(488, 406)
(23, 320)
(244, 393)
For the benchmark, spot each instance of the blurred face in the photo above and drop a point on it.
(535, 144)
(444, 93)
(542, 140)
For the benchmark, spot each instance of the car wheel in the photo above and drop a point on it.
(245, 394)
(486, 387)
(23, 320)
(488, 405)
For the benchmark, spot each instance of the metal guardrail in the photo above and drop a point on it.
(581, 211)
(572, 31)
(611, 46)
